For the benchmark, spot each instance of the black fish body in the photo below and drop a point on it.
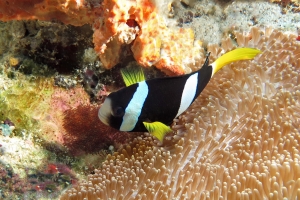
(166, 95)
(163, 98)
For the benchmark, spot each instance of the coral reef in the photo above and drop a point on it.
(12, 186)
(31, 181)
(213, 19)
(241, 137)
(68, 11)
(35, 108)
(50, 44)
(62, 100)
(288, 5)
(27, 154)
(153, 42)
(7, 127)
(24, 101)
(61, 46)
(238, 140)
(156, 41)
(46, 180)
(145, 30)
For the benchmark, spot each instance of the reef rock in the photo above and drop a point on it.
(123, 22)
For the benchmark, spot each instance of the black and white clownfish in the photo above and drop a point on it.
(153, 104)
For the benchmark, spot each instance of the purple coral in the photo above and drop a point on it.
(8, 122)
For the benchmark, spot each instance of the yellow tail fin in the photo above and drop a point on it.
(232, 56)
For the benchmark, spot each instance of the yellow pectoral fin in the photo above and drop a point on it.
(158, 129)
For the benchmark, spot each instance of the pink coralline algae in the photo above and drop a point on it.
(61, 100)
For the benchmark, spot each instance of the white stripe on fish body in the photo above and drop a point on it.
(213, 65)
(105, 111)
(188, 94)
(134, 108)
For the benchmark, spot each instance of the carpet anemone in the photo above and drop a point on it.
(239, 140)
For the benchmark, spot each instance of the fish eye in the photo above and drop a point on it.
(118, 112)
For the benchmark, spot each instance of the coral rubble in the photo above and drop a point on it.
(238, 140)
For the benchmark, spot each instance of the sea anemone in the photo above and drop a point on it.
(239, 140)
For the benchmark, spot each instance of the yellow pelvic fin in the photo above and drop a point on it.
(132, 75)
(158, 129)
(234, 55)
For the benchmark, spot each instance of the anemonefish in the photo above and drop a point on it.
(153, 104)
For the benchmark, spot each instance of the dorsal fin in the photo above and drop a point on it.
(132, 75)
(206, 63)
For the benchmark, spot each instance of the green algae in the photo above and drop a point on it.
(24, 100)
